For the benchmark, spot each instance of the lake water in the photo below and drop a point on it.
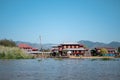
(55, 69)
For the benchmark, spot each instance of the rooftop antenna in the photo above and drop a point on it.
(41, 47)
(40, 43)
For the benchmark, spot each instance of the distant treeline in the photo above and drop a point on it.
(7, 43)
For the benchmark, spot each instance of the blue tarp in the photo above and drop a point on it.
(109, 54)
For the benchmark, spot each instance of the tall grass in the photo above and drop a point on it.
(13, 53)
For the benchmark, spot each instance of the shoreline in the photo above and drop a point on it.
(91, 57)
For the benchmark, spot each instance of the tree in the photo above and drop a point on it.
(118, 49)
(93, 52)
(8, 43)
(103, 51)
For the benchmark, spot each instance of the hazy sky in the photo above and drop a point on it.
(60, 20)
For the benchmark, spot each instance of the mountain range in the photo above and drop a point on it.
(88, 44)
(91, 44)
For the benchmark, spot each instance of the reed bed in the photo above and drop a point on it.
(13, 53)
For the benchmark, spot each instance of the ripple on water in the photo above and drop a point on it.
(66, 69)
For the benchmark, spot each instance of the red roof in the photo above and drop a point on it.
(24, 46)
(34, 49)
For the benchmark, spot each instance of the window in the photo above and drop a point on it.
(66, 46)
(74, 46)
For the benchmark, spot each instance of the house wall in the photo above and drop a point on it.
(60, 48)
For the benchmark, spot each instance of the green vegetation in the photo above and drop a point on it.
(8, 43)
(106, 59)
(13, 53)
(103, 51)
(109, 59)
(119, 49)
(8, 50)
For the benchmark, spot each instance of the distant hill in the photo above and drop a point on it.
(89, 44)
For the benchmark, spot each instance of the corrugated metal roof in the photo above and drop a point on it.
(70, 43)
(74, 49)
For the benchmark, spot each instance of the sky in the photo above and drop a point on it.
(58, 21)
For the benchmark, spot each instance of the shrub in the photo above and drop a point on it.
(103, 51)
(13, 53)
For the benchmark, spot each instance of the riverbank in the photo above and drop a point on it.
(91, 57)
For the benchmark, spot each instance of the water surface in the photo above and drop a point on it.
(55, 69)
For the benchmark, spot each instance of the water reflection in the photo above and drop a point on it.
(55, 69)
